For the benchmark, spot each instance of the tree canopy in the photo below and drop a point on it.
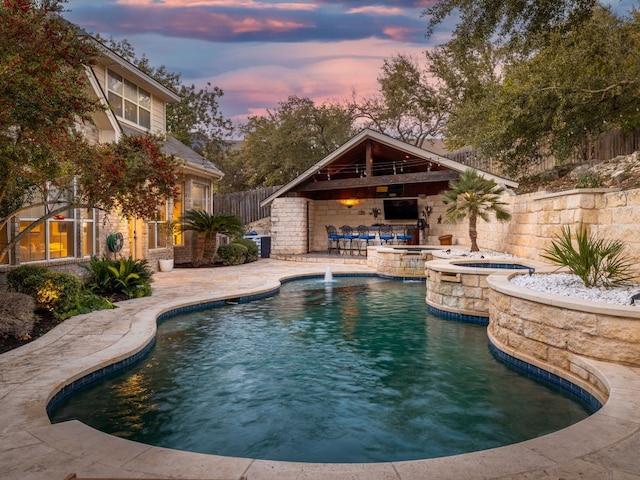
(521, 89)
(285, 142)
(408, 107)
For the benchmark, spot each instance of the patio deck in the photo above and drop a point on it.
(603, 446)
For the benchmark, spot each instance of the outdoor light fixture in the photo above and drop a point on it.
(349, 202)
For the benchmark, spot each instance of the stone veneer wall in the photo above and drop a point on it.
(398, 262)
(463, 290)
(289, 225)
(553, 330)
(536, 219)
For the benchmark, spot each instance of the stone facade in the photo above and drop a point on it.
(290, 218)
(555, 330)
(536, 219)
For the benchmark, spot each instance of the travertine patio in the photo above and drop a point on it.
(605, 445)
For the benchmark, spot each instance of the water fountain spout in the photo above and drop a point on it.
(328, 275)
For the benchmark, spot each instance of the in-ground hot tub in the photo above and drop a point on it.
(457, 288)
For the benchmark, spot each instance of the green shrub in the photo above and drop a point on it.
(53, 292)
(26, 278)
(232, 254)
(17, 315)
(596, 261)
(252, 249)
(58, 294)
(122, 277)
(590, 180)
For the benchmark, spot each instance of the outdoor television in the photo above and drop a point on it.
(401, 209)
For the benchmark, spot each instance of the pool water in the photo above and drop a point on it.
(355, 370)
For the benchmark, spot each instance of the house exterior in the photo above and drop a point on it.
(138, 105)
(372, 179)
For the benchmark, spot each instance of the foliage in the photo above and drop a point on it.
(17, 315)
(556, 75)
(285, 142)
(43, 94)
(597, 262)
(590, 180)
(473, 196)
(53, 292)
(207, 227)
(134, 176)
(409, 107)
(232, 254)
(252, 249)
(169, 230)
(125, 276)
(518, 24)
(19, 278)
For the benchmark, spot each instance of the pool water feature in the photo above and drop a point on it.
(350, 371)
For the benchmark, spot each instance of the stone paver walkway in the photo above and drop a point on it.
(604, 446)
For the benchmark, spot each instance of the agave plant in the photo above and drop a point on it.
(596, 261)
(124, 276)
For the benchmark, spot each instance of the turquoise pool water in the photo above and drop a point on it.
(355, 370)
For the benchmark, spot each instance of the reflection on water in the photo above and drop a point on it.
(350, 371)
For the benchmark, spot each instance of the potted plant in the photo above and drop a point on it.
(168, 230)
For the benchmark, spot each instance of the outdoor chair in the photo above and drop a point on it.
(333, 238)
(405, 237)
(386, 234)
(348, 236)
(364, 237)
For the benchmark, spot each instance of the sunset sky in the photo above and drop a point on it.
(261, 52)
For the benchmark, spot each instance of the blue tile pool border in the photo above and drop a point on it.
(586, 398)
(458, 317)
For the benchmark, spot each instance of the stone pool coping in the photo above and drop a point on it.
(603, 446)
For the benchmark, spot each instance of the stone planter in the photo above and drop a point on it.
(558, 331)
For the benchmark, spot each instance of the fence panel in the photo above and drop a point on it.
(245, 205)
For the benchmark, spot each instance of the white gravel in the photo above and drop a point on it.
(480, 254)
(570, 285)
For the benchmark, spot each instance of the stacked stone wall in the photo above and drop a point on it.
(289, 225)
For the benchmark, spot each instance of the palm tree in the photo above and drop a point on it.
(474, 196)
(207, 227)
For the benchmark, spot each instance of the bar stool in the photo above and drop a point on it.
(348, 235)
(333, 238)
(405, 237)
(364, 237)
(386, 234)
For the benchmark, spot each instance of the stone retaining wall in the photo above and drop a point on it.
(398, 262)
(555, 330)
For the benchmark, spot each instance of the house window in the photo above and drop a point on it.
(129, 101)
(88, 233)
(155, 238)
(178, 212)
(56, 237)
(200, 197)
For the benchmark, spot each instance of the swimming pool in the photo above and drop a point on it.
(350, 371)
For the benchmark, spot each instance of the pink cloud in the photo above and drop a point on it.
(377, 10)
(218, 3)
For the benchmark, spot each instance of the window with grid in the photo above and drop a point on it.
(129, 101)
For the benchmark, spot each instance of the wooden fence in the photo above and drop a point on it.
(609, 145)
(245, 205)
